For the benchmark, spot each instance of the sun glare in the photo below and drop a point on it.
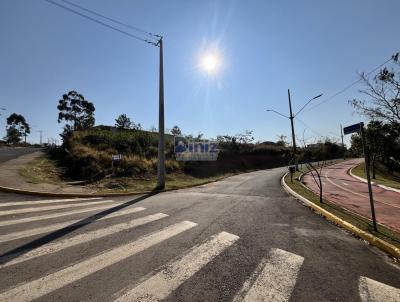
(210, 63)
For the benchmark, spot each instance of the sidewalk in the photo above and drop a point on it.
(10, 178)
(352, 194)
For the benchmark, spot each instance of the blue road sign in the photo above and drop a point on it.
(353, 128)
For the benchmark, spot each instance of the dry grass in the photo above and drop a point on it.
(44, 170)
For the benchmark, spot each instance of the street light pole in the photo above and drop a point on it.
(291, 117)
(161, 141)
(41, 136)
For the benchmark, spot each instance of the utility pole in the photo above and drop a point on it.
(41, 133)
(3, 109)
(341, 134)
(291, 117)
(161, 142)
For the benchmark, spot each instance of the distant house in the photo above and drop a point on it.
(268, 143)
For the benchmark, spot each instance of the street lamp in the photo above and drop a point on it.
(291, 117)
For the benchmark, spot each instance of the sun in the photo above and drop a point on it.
(210, 63)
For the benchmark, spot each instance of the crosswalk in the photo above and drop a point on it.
(274, 279)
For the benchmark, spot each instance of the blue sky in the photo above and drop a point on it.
(265, 47)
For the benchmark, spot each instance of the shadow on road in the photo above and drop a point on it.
(12, 254)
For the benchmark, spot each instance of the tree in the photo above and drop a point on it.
(76, 112)
(176, 131)
(16, 128)
(246, 137)
(13, 136)
(123, 122)
(282, 140)
(383, 92)
(381, 139)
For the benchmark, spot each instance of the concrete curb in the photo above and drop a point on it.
(350, 172)
(84, 195)
(373, 240)
(78, 195)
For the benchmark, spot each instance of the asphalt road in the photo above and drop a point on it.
(341, 188)
(7, 153)
(241, 239)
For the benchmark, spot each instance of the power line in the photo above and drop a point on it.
(349, 86)
(102, 23)
(308, 127)
(110, 19)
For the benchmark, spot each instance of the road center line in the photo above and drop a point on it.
(359, 194)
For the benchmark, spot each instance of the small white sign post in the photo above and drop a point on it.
(115, 158)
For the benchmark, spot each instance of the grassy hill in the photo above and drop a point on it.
(86, 155)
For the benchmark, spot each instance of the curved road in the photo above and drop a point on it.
(240, 239)
(7, 153)
(342, 189)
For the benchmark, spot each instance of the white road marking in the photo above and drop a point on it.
(54, 215)
(374, 291)
(346, 184)
(273, 280)
(160, 285)
(57, 246)
(359, 194)
(30, 202)
(42, 286)
(54, 207)
(57, 226)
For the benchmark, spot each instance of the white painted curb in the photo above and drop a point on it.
(374, 183)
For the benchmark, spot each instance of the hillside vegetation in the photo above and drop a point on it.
(86, 155)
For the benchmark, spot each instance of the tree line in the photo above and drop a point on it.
(381, 105)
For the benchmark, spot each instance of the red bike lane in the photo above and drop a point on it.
(348, 192)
